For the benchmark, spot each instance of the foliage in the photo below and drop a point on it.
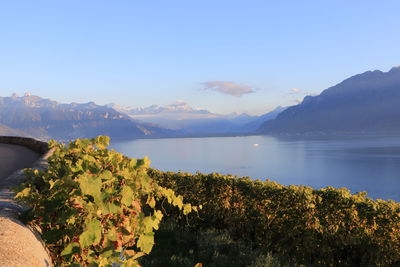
(96, 207)
(326, 227)
(184, 246)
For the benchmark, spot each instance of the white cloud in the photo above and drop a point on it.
(295, 91)
(229, 88)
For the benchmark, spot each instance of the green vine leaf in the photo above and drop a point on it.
(146, 242)
(92, 234)
(90, 185)
(127, 196)
(72, 248)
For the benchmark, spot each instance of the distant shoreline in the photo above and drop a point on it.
(306, 136)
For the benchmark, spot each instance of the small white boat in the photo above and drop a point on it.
(256, 145)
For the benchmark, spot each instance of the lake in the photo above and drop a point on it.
(364, 163)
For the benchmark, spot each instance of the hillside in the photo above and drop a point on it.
(256, 123)
(7, 131)
(44, 118)
(368, 103)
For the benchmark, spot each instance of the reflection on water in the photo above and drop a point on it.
(369, 164)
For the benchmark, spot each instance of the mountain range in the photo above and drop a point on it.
(46, 119)
(190, 121)
(367, 103)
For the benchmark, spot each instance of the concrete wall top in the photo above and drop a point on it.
(36, 145)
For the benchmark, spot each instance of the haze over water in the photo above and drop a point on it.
(369, 164)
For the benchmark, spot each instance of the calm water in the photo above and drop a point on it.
(369, 164)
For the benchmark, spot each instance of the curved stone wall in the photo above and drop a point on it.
(20, 245)
(36, 145)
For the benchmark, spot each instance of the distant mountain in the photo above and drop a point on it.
(45, 119)
(367, 103)
(173, 116)
(42, 118)
(187, 120)
(256, 123)
(7, 131)
(240, 118)
(177, 110)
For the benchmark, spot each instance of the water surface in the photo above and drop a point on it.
(369, 164)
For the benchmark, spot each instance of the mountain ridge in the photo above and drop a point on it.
(47, 119)
(195, 121)
(364, 103)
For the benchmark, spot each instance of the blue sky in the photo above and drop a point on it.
(244, 56)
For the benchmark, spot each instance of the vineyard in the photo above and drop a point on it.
(96, 207)
(326, 227)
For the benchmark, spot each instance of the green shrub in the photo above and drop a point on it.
(95, 207)
(184, 246)
(326, 227)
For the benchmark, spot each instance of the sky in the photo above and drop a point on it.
(224, 56)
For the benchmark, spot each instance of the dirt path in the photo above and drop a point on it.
(15, 157)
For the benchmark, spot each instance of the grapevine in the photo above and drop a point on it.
(94, 206)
